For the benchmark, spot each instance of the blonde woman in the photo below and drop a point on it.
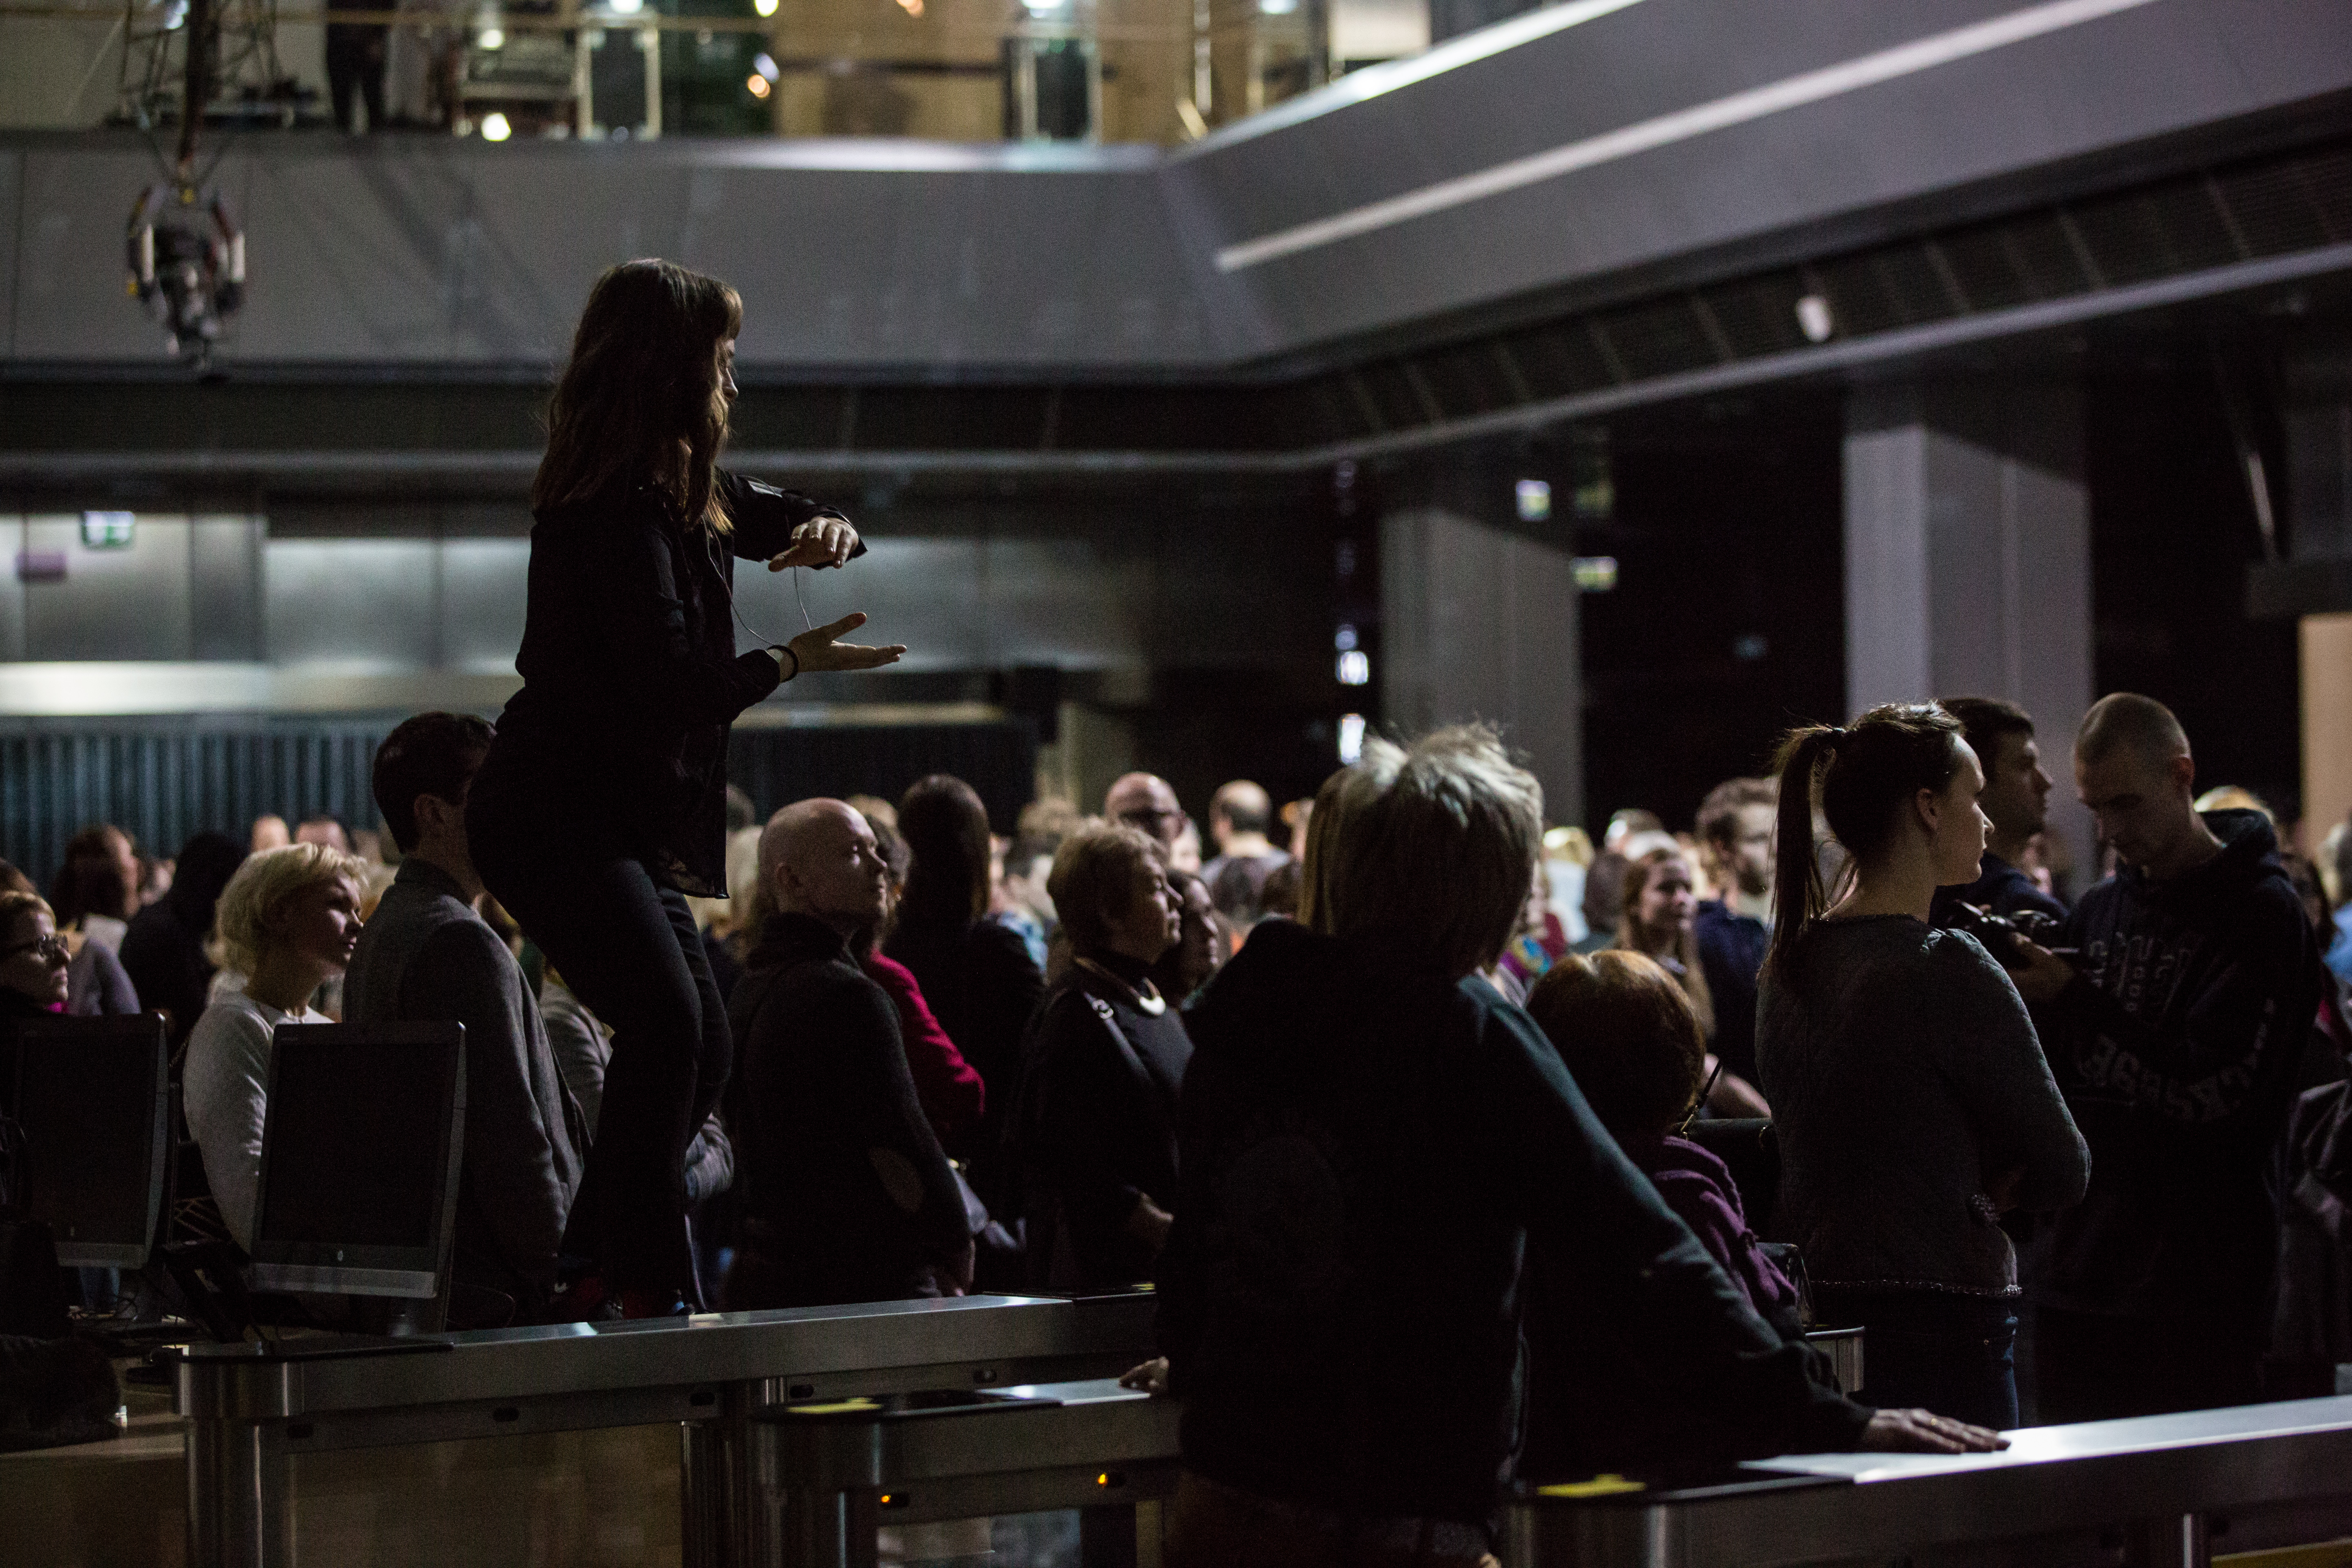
(287, 922)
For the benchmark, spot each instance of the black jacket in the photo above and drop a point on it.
(847, 1195)
(425, 956)
(982, 986)
(163, 951)
(2177, 1047)
(631, 677)
(1098, 1130)
(1370, 1150)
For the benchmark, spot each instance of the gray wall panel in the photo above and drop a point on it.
(120, 603)
(483, 589)
(224, 587)
(12, 588)
(361, 604)
(70, 266)
(349, 253)
(11, 192)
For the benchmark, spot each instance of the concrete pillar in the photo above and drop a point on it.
(1967, 553)
(1478, 622)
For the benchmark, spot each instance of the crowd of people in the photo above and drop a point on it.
(963, 1060)
(1456, 1146)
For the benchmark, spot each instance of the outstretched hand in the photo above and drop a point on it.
(820, 541)
(1918, 1432)
(819, 649)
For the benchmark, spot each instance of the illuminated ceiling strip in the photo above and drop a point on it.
(1791, 92)
(1371, 81)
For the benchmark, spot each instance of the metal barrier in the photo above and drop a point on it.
(830, 1474)
(250, 1408)
(2161, 1491)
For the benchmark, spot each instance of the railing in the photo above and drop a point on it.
(1157, 71)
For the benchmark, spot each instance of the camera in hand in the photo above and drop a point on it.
(2001, 934)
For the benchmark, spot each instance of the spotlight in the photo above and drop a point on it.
(765, 64)
(756, 84)
(765, 7)
(492, 38)
(495, 127)
(1813, 318)
(186, 261)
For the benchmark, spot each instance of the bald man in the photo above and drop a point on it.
(2175, 1034)
(848, 1197)
(1147, 803)
(1239, 815)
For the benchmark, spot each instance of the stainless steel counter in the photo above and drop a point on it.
(2159, 1490)
(828, 1474)
(250, 1408)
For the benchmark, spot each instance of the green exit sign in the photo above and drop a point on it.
(107, 530)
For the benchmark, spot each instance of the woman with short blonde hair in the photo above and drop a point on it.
(286, 923)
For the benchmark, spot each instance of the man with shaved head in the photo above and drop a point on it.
(847, 1195)
(1147, 803)
(2176, 1033)
(1239, 815)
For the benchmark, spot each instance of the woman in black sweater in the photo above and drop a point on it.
(602, 803)
(976, 974)
(1106, 1066)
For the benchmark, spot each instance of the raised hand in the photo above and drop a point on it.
(819, 649)
(820, 541)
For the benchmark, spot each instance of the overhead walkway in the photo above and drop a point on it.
(1600, 204)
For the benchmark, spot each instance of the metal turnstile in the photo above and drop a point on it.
(2163, 1492)
(830, 1474)
(251, 1408)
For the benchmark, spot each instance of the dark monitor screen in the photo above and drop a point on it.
(93, 1096)
(360, 1152)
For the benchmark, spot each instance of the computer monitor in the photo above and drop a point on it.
(94, 1098)
(360, 1150)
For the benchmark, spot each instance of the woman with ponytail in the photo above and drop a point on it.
(1910, 1095)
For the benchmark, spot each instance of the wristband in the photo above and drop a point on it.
(786, 648)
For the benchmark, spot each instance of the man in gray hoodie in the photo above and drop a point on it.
(428, 956)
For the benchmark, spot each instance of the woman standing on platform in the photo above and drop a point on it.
(1909, 1094)
(602, 803)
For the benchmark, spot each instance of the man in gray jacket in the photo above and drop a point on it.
(428, 956)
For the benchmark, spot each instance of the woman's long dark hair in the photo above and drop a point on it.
(946, 827)
(640, 398)
(1866, 773)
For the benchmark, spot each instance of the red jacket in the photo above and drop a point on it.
(951, 1093)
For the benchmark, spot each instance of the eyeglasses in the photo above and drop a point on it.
(51, 948)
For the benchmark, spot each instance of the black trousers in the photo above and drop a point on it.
(356, 60)
(628, 949)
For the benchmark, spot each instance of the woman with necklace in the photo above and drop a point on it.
(1106, 1063)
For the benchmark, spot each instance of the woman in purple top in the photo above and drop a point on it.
(1633, 1042)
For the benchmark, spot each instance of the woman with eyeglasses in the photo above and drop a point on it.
(33, 964)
